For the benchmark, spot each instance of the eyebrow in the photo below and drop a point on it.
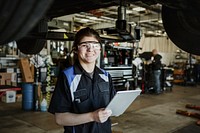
(88, 42)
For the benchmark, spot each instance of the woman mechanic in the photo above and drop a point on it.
(83, 90)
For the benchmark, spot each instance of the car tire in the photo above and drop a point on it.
(18, 17)
(182, 27)
(35, 40)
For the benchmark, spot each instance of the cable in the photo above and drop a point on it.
(48, 94)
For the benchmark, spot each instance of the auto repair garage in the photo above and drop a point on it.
(148, 48)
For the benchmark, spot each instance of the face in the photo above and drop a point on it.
(155, 52)
(88, 50)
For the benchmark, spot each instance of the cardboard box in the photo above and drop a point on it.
(26, 71)
(9, 97)
(18, 97)
(5, 77)
(14, 84)
(8, 82)
(10, 70)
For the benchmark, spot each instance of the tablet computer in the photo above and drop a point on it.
(121, 101)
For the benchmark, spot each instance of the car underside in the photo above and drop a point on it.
(21, 17)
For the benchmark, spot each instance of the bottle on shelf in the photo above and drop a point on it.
(105, 58)
(111, 58)
(126, 61)
(127, 58)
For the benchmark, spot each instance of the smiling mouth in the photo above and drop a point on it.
(89, 55)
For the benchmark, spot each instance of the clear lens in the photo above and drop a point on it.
(89, 44)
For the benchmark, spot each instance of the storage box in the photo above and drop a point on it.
(10, 70)
(4, 77)
(26, 71)
(9, 97)
(15, 84)
(18, 97)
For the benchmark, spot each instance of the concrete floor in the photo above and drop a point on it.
(148, 114)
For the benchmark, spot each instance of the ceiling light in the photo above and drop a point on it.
(160, 21)
(139, 9)
(92, 18)
(108, 18)
(59, 30)
(129, 11)
(66, 24)
(84, 20)
(158, 31)
(150, 32)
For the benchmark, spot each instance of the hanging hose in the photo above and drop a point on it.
(48, 94)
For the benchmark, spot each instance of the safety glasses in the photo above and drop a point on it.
(89, 44)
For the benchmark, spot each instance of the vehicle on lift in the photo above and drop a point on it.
(26, 20)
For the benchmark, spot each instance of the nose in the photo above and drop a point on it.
(90, 47)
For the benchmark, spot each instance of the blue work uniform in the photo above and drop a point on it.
(77, 92)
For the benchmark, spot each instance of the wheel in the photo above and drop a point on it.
(183, 26)
(32, 44)
(18, 17)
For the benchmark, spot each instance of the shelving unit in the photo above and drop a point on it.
(168, 78)
(117, 60)
(178, 75)
(179, 67)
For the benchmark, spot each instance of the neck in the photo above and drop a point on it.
(89, 67)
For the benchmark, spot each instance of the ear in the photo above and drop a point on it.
(74, 49)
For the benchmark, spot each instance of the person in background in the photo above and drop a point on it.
(83, 90)
(156, 67)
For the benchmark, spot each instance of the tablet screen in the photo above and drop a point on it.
(121, 101)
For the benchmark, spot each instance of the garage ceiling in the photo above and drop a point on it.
(148, 18)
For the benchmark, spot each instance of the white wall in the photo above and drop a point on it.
(163, 44)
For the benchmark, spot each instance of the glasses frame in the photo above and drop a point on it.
(89, 44)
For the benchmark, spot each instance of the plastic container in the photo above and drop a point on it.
(43, 105)
(27, 96)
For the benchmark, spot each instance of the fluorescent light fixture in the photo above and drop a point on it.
(129, 11)
(59, 30)
(66, 24)
(158, 31)
(92, 18)
(148, 20)
(108, 18)
(139, 9)
(150, 32)
(83, 20)
(160, 21)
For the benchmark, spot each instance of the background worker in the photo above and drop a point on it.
(156, 67)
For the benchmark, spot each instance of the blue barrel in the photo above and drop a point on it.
(27, 96)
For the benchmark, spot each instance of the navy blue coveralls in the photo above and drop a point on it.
(77, 92)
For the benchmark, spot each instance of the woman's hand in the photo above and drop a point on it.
(101, 115)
